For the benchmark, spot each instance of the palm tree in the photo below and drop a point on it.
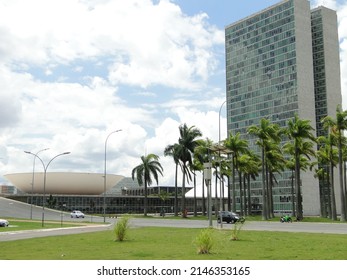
(196, 166)
(290, 165)
(173, 150)
(344, 155)
(251, 172)
(265, 132)
(322, 174)
(327, 155)
(337, 126)
(299, 131)
(149, 167)
(225, 174)
(187, 143)
(275, 164)
(202, 155)
(237, 146)
(242, 165)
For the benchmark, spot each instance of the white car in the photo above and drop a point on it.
(77, 214)
(4, 223)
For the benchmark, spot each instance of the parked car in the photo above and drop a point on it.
(229, 217)
(4, 223)
(77, 214)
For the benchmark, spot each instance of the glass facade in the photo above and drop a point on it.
(261, 69)
(263, 58)
(114, 204)
(319, 69)
(261, 80)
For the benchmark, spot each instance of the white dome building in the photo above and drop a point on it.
(64, 182)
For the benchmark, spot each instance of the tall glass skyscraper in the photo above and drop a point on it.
(283, 61)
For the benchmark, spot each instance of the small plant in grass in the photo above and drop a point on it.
(204, 241)
(235, 231)
(121, 228)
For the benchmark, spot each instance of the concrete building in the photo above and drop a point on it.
(85, 192)
(283, 61)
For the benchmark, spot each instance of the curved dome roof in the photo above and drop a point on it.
(64, 182)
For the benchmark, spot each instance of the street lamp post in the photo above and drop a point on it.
(208, 177)
(44, 180)
(104, 207)
(32, 182)
(220, 171)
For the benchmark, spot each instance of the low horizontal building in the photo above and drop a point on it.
(85, 191)
(63, 182)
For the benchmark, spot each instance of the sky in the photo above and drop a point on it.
(72, 72)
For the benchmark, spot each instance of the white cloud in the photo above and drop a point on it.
(146, 43)
(73, 71)
(11, 110)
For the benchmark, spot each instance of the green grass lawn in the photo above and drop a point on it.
(16, 225)
(154, 243)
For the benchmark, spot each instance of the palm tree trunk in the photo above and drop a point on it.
(215, 194)
(176, 192)
(241, 196)
(332, 192)
(245, 197)
(145, 201)
(183, 204)
(268, 191)
(328, 202)
(203, 196)
(345, 182)
(249, 195)
(292, 193)
(229, 194)
(271, 200)
(233, 199)
(342, 193)
(323, 210)
(298, 206)
(195, 206)
(264, 212)
(223, 195)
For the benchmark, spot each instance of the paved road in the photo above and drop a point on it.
(10, 208)
(251, 225)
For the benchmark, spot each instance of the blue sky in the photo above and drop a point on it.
(224, 12)
(73, 71)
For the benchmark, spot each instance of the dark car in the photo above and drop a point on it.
(229, 217)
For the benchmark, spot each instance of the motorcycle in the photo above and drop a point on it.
(286, 219)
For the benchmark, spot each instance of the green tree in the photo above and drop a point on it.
(237, 146)
(150, 167)
(51, 201)
(173, 151)
(187, 143)
(327, 155)
(275, 164)
(323, 178)
(338, 126)
(202, 155)
(290, 164)
(299, 131)
(194, 168)
(251, 171)
(265, 132)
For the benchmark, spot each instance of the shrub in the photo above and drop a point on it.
(235, 231)
(204, 241)
(121, 228)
